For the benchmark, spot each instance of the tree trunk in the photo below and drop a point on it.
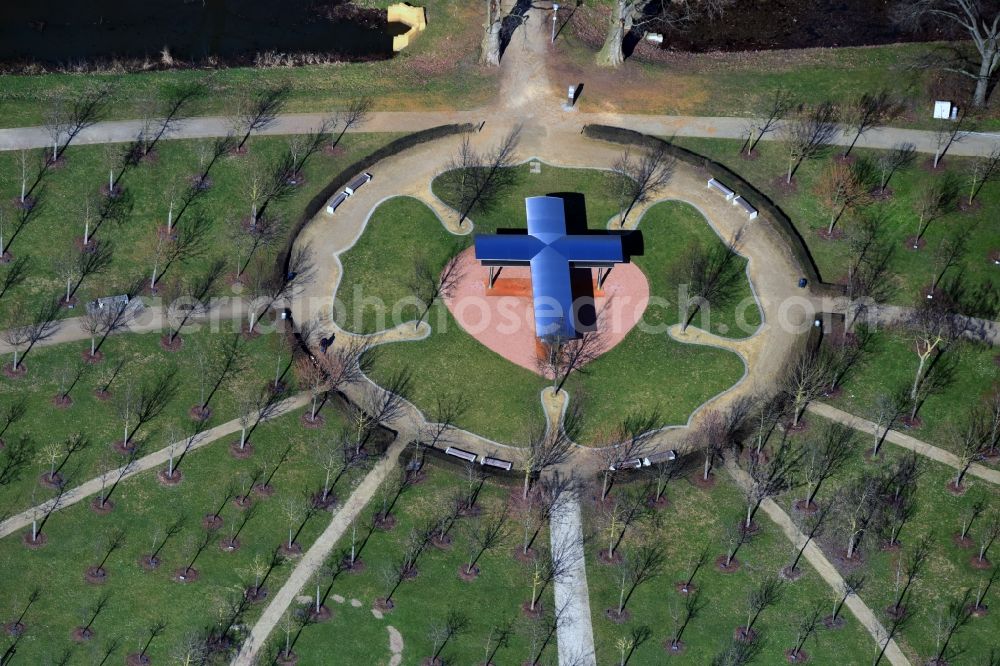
(983, 80)
(612, 54)
(491, 40)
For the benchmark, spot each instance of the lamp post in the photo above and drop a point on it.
(555, 13)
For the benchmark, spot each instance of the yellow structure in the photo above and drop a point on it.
(411, 16)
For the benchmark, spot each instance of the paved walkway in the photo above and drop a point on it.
(900, 439)
(574, 631)
(318, 553)
(815, 556)
(148, 462)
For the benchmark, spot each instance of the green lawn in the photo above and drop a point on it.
(50, 237)
(697, 520)
(439, 70)
(144, 508)
(354, 636)
(893, 363)
(506, 408)
(947, 575)
(99, 421)
(914, 270)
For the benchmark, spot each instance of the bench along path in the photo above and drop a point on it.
(826, 570)
(148, 462)
(899, 439)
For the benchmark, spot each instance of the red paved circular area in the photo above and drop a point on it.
(503, 318)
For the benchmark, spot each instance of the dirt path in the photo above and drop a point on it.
(900, 439)
(815, 556)
(146, 463)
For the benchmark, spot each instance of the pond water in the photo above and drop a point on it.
(64, 33)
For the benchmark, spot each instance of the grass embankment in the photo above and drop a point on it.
(439, 70)
(629, 376)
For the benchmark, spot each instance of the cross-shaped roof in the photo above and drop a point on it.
(550, 252)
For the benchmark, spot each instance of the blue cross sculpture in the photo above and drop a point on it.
(550, 252)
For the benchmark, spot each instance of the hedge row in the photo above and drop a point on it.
(758, 199)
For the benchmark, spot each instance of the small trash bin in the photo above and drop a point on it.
(802, 283)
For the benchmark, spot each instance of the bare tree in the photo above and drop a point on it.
(947, 133)
(815, 523)
(887, 409)
(867, 111)
(486, 535)
(808, 135)
(12, 410)
(843, 188)
(870, 279)
(629, 16)
(971, 440)
(563, 355)
(637, 179)
(455, 623)
(491, 46)
(770, 477)
(429, 285)
(42, 324)
(912, 568)
(86, 631)
(160, 540)
(15, 456)
(825, 459)
(111, 317)
(852, 584)
(982, 170)
(978, 20)
(807, 626)
(112, 542)
(707, 276)
(637, 568)
(627, 442)
(193, 298)
(258, 110)
(933, 202)
(858, 508)
(888, 162)
(987, 539)
(475, 180)
(805, 380)
(545, 449)
(71, 114)
(16, 272)
(767, 593)
(781, 103)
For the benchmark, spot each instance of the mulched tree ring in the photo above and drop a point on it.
(101, 509)
(749, 156)
(136, 659)
(523, 557)
(149, 563)
(914, 244)
(247, 334)
(201, 184)
(102, 395)
(57, 163)
(111, 192)
(241, 453)
(834, 623)
(11, 372)
(604, 556)
(6, 257)
(657, 504)
(384, 605)
(169, 479)
(411, 572)
(287, 659)
(296, 179)
(199, 413)
(895, 612)
(616, 617)
(720, 564)
(957, 491)
(81, 635)
(212, 523)
(385, 523)
(88, 246)
(432, 661)
(464, 573)
(62, 401)
(807, 508)
(39, 541)
(980, 611)
(323, 503)
(995, 257)
(796, 656)
(879, 194)
(239, 151)
(826, 234)
(96, 576)
(229, 545)
(188, 576)
(891, 546)
(744, 634)
(313, 422)
(928, 165)
(24, 204)
(782, 185)
(166, 344)
(914, 423)
(92, 359)
(295, 550)
(242, 502)
(674, 647)
(357, 568)
(684, 588)
(14, 628)
(263, 490)
(255, 594)
(980, 564)
(962, 541)
(277, 388)
(790, 574)
(532, 613)
(966, 207)
(68, 303)
(849, 563)
(321, 615)
(441, 541)
(752, 530)
(473, 511)
(51, 480)
(699, 481)
(121, 449)
(331, 150)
